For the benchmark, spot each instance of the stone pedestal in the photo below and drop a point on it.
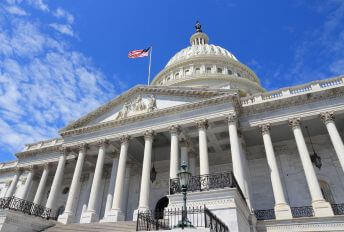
(114, 215)
(226, 204)
(66, 218)
(322, 209)
(283, 211)
(89, 216)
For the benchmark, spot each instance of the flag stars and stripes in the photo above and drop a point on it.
(138, 53)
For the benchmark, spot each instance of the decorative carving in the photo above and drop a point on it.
(148, 134)
(151, 103)
(265, 128)
(295, 122)
(137, 106)
(327, 117)
(185, 142)
(124, 139)
(174, 129)
(82, 147)
(102, 142)
(64, 150)
(231, 118)
(202, 124)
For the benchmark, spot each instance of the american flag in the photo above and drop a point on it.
(138, 53)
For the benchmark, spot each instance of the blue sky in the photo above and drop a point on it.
(60, 59)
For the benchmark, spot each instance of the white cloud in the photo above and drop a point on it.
(63, 28)
(44, 84)
(61, 13)
(39, 4)
(16, 10)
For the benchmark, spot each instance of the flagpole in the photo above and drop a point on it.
(150, 61)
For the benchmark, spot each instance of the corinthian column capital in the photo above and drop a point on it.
(124, 139)
(295, 123)
(265, 128)
(327, 117)
(149, 134)
(82, 147)
(202, 124)
(102, 142)
(232, 118)
(174, 129)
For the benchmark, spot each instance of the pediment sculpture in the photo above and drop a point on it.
(137, 106)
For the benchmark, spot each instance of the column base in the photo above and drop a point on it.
(283, 211)
(66, 218)
(322, 209)
(89, 216)
(136, 212)
(114, 215)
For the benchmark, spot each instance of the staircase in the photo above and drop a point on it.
(95, 227)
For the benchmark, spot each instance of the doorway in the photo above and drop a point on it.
(159, 208)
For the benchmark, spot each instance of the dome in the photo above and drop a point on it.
(200, 50)
(205, 65)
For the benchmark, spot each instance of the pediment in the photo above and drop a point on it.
(141, 100)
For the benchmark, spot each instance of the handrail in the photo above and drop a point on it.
(208, 182)
(168, 219)
(27, 207)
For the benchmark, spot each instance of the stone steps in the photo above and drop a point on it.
(94, 227)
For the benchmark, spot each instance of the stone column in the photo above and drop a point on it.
(145, 177)
(91, 215)
(321, 207)
(23, 193)
(237, 161)
(328, 119)
(282, 209)
(41, 185)
(174, 158)
(116, 213)
(192, 162)
(10, 191)
(124, 205)
(111, 190)
(86, 193)
(184, 157)
(203, 147)
(56, 185)
(69, 212)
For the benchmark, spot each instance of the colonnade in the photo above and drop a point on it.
(321, 207)
(116, 193)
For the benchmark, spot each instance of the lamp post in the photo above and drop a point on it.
(184, 177)
(316, 160)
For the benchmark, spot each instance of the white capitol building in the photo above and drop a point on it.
(260, 161)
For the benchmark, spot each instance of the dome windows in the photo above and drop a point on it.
(176, 75)
(219, 70)
(229, 72)
(208, 69)
(187, 72)
(198, 70)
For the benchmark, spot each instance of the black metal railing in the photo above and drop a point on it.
(338, 209)
(170, 218)
(27, 207)
(265, 214)
(302, 211)
(207, 182)
(214, 223)
(297, 212)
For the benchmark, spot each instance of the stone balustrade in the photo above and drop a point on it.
(296, 90)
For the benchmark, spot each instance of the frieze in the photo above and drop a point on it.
(137, 106)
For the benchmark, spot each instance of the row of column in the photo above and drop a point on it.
(320, 206)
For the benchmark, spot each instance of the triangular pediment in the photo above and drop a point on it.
(144, 99)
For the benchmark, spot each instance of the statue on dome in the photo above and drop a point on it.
(198, 27)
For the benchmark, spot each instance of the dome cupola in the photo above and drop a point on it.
(206, 65)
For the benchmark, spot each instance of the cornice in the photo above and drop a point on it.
(162, 90)
(150, 115)
(24, 154)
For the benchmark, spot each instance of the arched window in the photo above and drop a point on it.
(326, 191)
